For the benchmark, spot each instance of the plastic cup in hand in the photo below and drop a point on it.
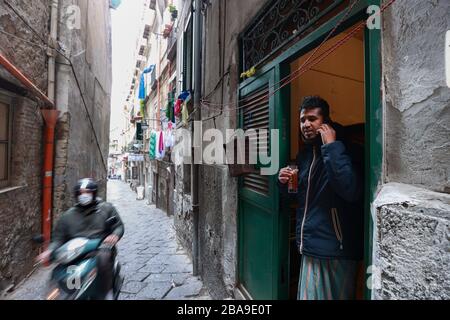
(293, 181)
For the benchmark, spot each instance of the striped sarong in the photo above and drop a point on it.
(322, 279)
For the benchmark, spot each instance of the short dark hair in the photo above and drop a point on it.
(312, 102)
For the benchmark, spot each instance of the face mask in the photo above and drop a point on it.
(85, 198)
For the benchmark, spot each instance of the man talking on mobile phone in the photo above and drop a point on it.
(330, 215)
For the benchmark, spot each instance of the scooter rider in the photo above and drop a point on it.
(88, 219)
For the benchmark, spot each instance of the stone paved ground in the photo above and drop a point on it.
(153, 264)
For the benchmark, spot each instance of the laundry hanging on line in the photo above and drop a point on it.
(142, 93)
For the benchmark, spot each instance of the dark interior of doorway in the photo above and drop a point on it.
(339, 79)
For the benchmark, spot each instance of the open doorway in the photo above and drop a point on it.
(340, 80)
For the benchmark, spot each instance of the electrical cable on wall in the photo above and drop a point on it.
(73, 71)
(301, 70)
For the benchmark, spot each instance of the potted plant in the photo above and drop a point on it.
(173, 10)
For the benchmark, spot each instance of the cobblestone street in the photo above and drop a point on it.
(154, 265)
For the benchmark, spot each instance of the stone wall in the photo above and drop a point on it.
(412, 225)
(20, 208)
(417, 100)
(22, 46)
(223, 22)
(412, 244)
(83, 128)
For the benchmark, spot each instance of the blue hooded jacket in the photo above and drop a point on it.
(330, 215)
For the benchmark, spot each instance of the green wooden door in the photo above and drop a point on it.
(262, 260)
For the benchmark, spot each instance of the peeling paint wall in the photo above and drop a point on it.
(20, 208)
(412, 225)
(78, 150)
(417, 101)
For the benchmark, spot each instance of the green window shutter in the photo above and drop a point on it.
(139, 131)
(256, 115)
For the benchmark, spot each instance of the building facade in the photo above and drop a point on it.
(151, 98)
(383, 77)
(380, 85)
(81, 89)
(84, 98)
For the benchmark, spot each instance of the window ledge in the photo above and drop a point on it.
(10, 189)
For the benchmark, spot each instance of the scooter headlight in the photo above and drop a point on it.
(68, 256)
(71, 251)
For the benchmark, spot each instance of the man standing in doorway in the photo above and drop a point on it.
(329, 227)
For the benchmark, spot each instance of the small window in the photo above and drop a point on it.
(142, 50)
(146, 32)
(5, 143)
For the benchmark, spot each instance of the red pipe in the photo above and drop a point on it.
(50, 117)
(24, 80)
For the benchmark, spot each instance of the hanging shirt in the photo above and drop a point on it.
(177, 107)
(157, 154)
(169, 139)
(184, 114)
(161, 149)
(142, 92)
(152, 145)
(184, 95)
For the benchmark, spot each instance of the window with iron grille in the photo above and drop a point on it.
(5, 143)
(281, 22)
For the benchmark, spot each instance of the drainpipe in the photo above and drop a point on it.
(50, 118)
(24, 80)
(51, 52)
(197, 117)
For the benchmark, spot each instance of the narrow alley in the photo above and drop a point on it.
(153, 265)
(255, 150)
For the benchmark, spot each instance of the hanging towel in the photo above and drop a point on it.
(170, 111)
(184, 114)
(161, 142)
(161, 149)
(152, 145)
(157, 154)
(184, 95)
(142, 92)
(168, 138)
(178, 107)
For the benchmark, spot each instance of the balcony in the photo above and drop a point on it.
(153, 80)
(172, 46)
(146, 34)
(135, 146)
